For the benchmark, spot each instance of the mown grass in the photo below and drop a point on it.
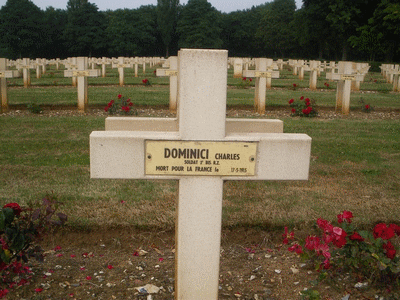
(355, 165)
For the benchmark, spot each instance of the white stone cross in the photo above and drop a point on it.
(201, 154)
(344, 77)
(172, 72)
(314, 67)
(121, 65)
(104, 61)
(4, 73)
(237, 67)
(263, 74)
(25, 65)
(81, 73)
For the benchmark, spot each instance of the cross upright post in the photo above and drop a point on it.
(172, 72)
(81, 73)
(4, 74)
(201, 153)
(263, 75)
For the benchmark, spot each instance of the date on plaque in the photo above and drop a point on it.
(200, 158)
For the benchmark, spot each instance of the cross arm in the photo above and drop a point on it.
(121, 154)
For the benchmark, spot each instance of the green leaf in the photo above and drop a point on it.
(2, 221)
(9, 215)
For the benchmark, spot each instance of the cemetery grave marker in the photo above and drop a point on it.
(314, 68)
(263, 75)
(81, 73)
(237, 67)
(172, 72)
(359, 68)
(201, 154)
(25, 65)
(344, 77)
(4, 74)
(121, 65)
(104, 61)
(70, 65)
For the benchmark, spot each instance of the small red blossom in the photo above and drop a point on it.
(293, 110)
(59, 255)
(367, 106)
(73, 255)
(15, 207)
(82, 268)
(250, 79)
(356, 237)
(161, 259)
(287, 236)
(145, 81)
(57, 248)
(110, 267)
(382, 231)
(302, 97)
(296, 248)
(38, 290)
(294, 85)
(106, 108)
(119, 96)
(88, 277)
(396, 228)
(291, 101)
(244, 78)
(390, 250)
(345, 216)
(136, 253)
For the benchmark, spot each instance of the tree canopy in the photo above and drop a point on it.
(320, 29)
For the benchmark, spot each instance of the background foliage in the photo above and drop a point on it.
(320, 29)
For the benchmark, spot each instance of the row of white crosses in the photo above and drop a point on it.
(391, 73)
(4, 74)
(201, 149)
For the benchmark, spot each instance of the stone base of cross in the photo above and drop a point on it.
(201, 150)
(344, 77)
(81, 73)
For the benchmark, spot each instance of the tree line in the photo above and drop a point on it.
(320, 29)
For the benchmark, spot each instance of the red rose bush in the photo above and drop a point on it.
(342, 247)
(304, 107)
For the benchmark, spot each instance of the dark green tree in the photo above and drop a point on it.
(385, 23)
(167, 15)
(199, 25)
(55, 22)
(133, 32)
(275, 28)
(239, 31)
(22, 28)
(84, 32)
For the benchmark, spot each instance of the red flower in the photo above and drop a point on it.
(15, 207)
(244, 78)
(293, 110)
(302, 97)
(312, 242)
(106, 108)
(145, 81)
(356, 237)
(367, 106)
(286, 236)
(38, 290)
(250, 79)
(110, 267)
(130, 103)
(345, 216)
(396, 228)
(88, 277)
(291, 101)
(294, 85)
(119, 96)
(390, 250)
(381, 230)
(296, 248)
